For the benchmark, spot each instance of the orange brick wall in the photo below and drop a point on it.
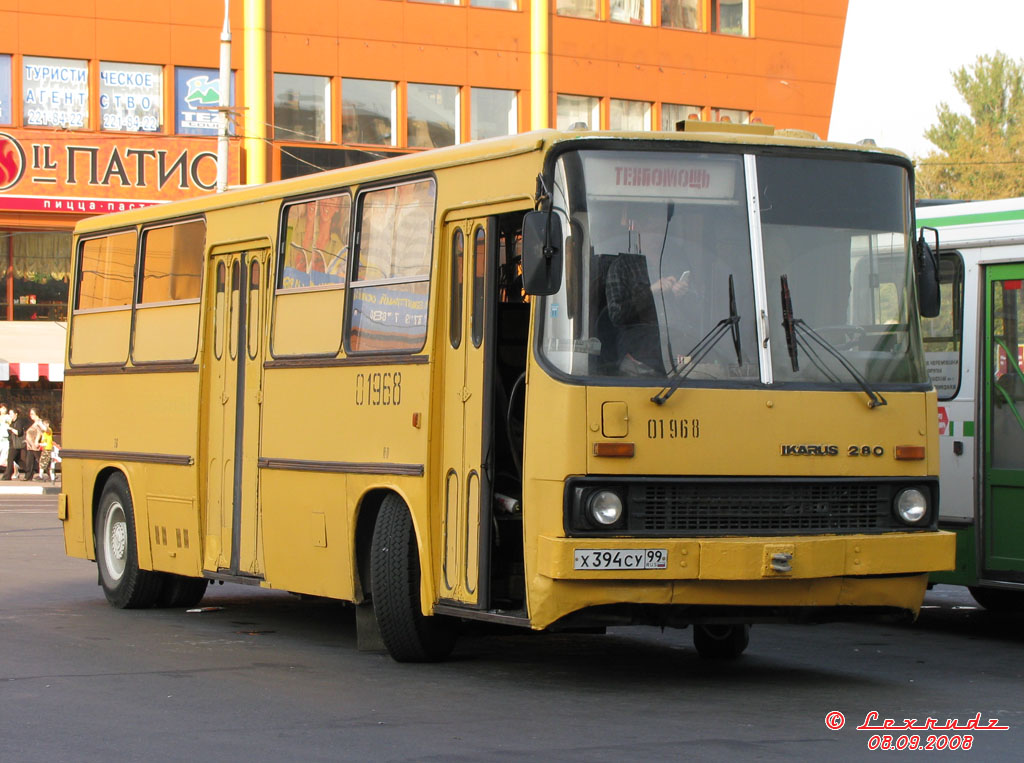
(785, 72)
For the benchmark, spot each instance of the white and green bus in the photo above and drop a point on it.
(975, 355)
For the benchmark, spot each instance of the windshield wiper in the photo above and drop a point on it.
(797, 335)
(703, 347)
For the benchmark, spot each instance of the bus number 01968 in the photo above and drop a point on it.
(673, 429)
(379, 388)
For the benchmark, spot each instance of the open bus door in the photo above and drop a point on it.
(1000, 546)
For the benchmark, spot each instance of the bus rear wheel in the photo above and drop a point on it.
(721, 642)
(124, 584)
(998, 599)
(408, 634)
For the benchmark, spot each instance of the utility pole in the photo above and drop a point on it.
(225, 97)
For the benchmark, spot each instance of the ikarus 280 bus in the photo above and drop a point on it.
(555, 380)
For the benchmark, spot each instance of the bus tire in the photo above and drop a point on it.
(721, 642)
(181, 592)
(124, 584)
(998, 599)
(408, 634)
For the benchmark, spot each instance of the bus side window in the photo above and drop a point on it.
(254, 313)
(219, 317)
(479, 285)
(170, 284)
(943, 334)
(312, 265)
(390, 284)
(101, 319)
(455, 314)
(233, 312)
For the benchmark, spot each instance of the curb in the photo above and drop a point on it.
(29, 489)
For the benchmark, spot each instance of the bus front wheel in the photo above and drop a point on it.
(721, 642)
(124, 584)
(998, 599)
(408, 634)
(180, 592)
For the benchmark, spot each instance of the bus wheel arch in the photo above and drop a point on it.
(365, 520)
(124, 583)
(395, 567)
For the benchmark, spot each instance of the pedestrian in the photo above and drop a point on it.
(5, 445)
(55, 459)
(33, 435)
(16, 439)
(45, 450)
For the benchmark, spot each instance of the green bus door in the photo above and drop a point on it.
(1001, 544)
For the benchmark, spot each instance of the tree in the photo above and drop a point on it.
(981, 155)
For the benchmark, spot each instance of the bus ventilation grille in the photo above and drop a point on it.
(768, 508)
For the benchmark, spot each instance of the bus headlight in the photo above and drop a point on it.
(911, 506)
(604, 508)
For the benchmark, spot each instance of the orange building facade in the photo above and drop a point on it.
(106, 104)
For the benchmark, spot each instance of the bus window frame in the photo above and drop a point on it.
(957, 293)
(141, 263)
(286, 206)
(76, 298)
(354, 284)
(276, 273)
(139, 306)
(741, 149)
(78, 271)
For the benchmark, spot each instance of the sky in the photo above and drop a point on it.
(896, 64)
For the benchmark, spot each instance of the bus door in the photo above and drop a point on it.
(234, 357)
(1001, 544)
(468, 410)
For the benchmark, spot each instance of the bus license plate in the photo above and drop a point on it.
(628, 559)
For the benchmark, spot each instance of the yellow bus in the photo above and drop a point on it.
(557, 380)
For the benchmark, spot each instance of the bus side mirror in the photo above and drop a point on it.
(542, 253)
(926, 265)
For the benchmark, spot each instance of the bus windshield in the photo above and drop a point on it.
(723, 268)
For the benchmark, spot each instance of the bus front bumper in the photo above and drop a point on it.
(797, 578)
(775, 558)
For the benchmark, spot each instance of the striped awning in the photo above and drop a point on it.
(32, 350)
(29, 372)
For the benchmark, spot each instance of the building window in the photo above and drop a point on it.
(682, 14)
(439, 2)
(39, 278)
(584, 9)
(6, 104)
(573, 109)
(368, 112)
(730, 17)
(508, 5)
(629, 115)
(736, 116)
(492, 113)
(55, 92)
(433, 115)
(630, 11)
(302, 105)
(131, 97)
(673, 113)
